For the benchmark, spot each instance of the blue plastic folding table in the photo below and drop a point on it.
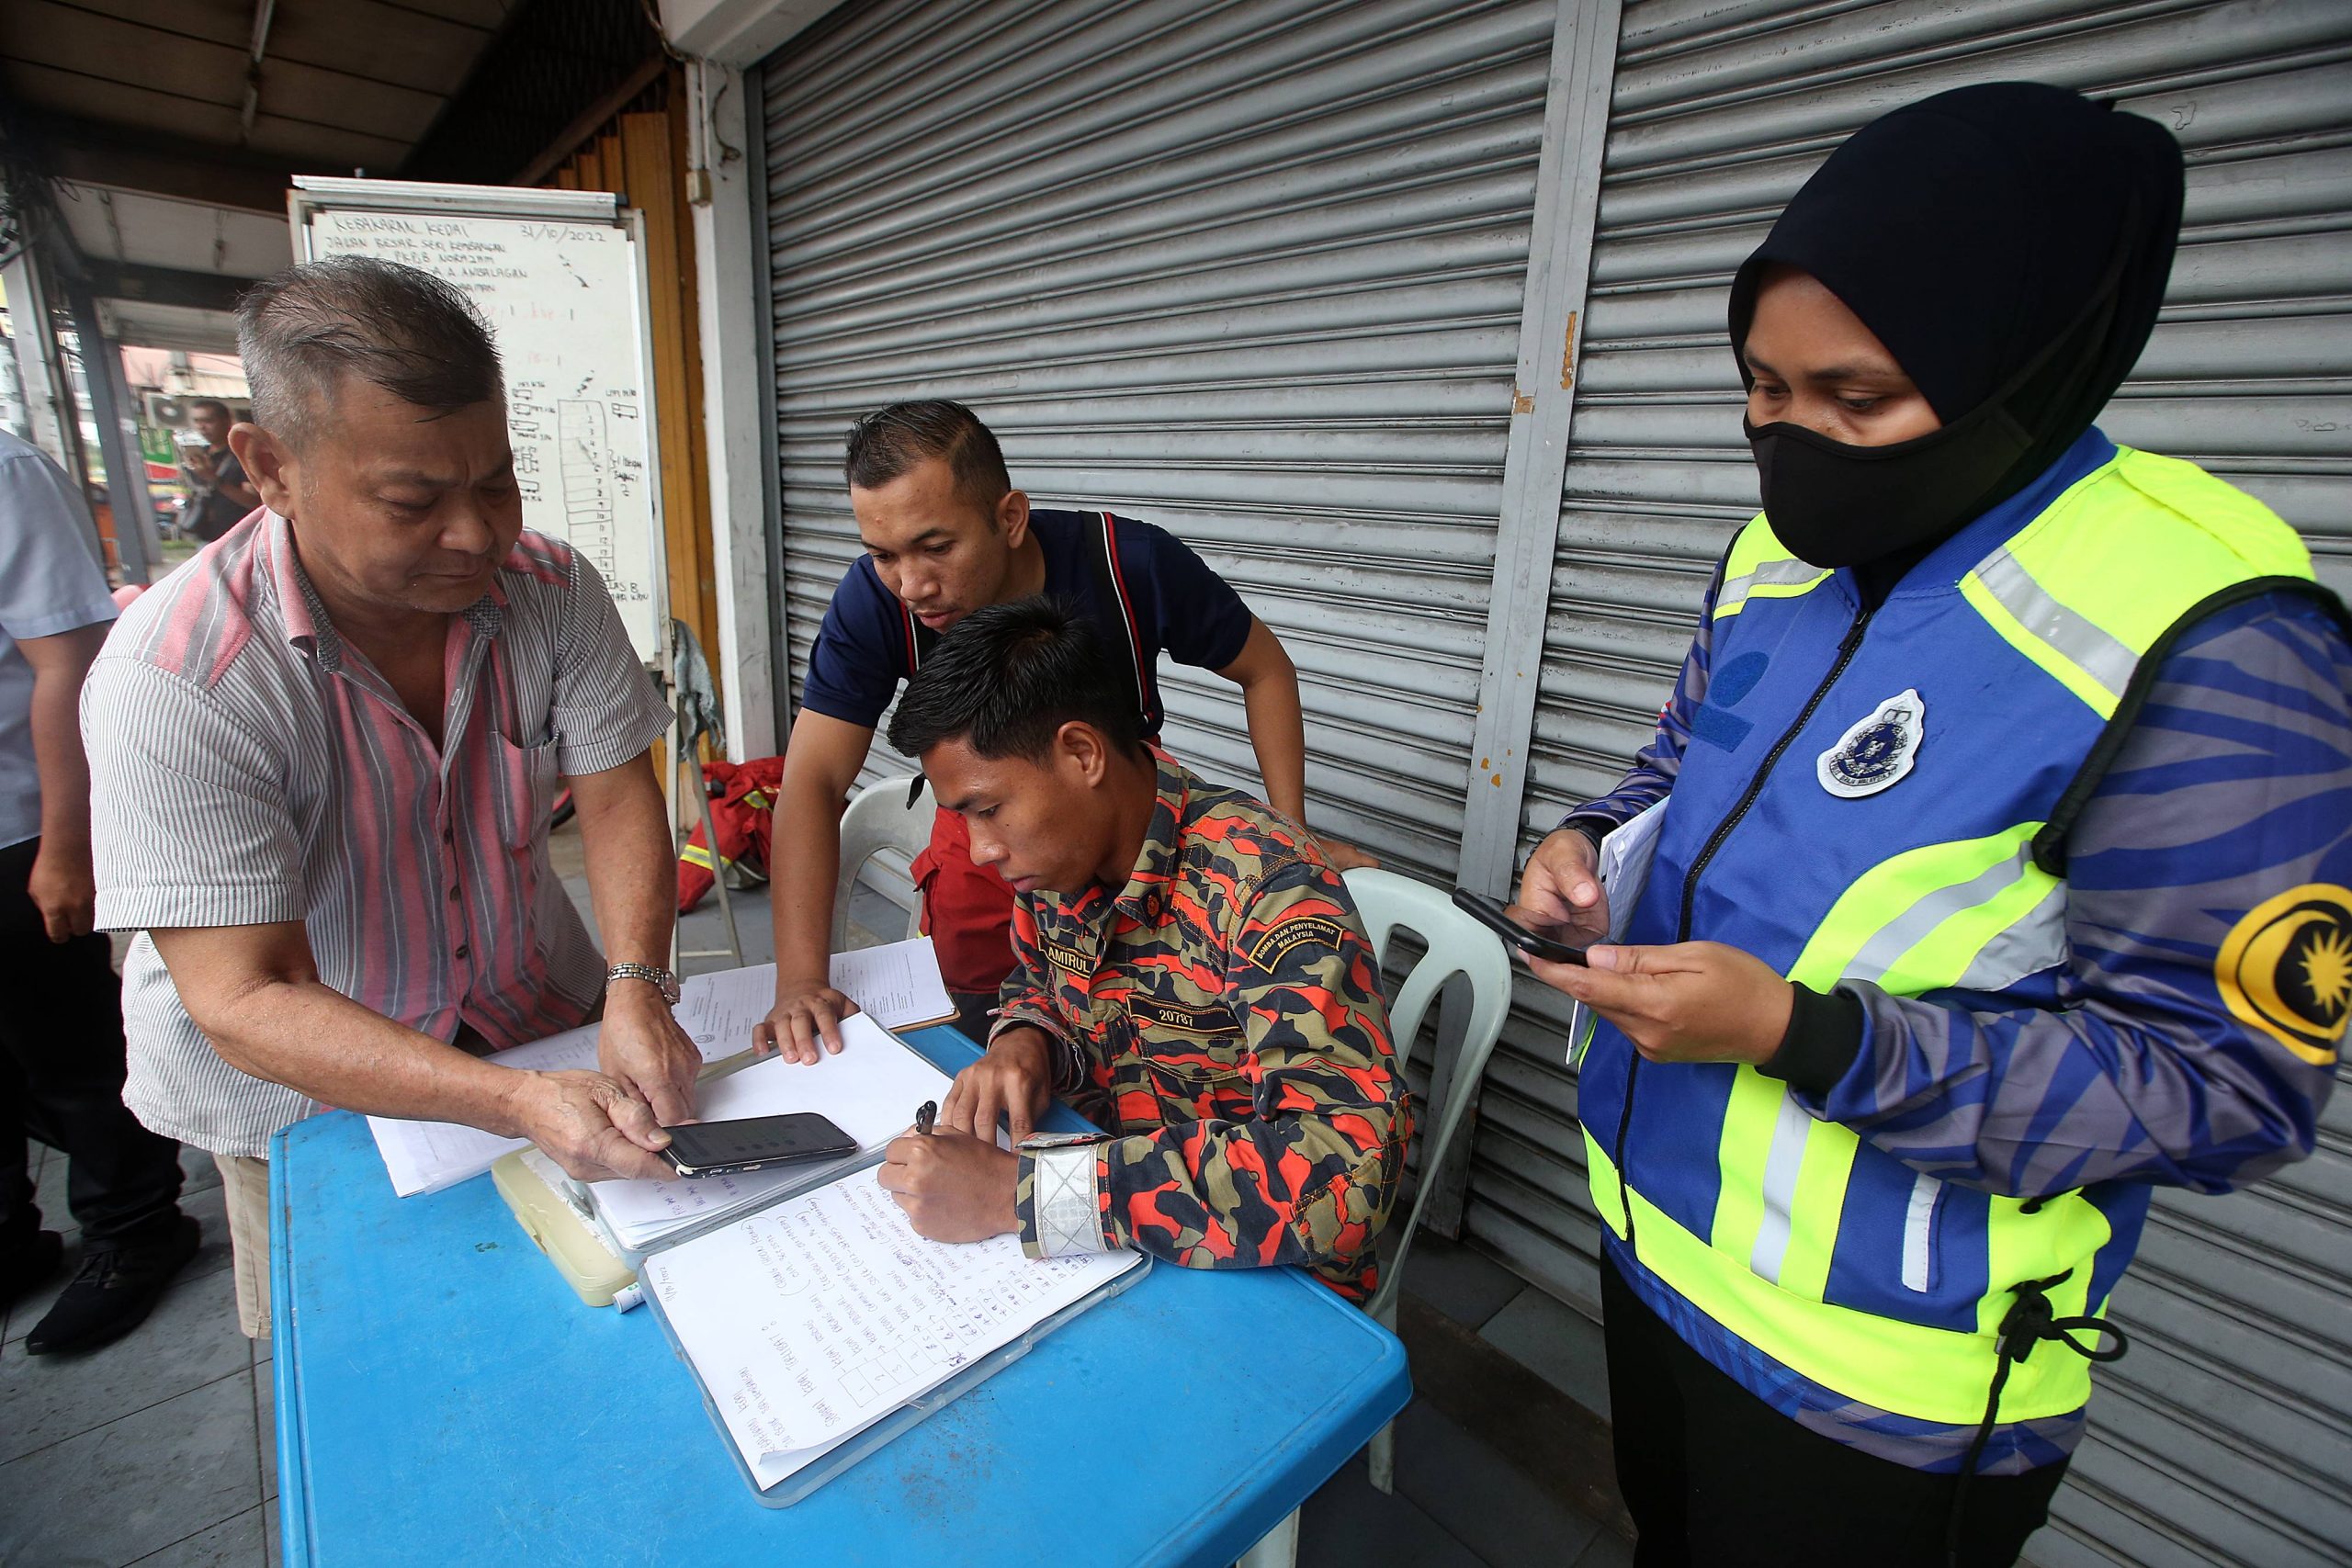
(443, 1398)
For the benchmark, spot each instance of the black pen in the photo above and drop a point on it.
(925, 1115)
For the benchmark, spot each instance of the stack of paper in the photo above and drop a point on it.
(812, 1320)
(870, 1091)
(899, 986)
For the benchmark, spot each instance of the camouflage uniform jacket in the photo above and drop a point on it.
(1221, 1017)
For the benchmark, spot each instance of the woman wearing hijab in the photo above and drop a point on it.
(1989, 868)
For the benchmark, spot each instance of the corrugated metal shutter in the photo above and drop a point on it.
(1248, 271)
(2224, 1437)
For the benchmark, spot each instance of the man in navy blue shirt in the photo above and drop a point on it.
(946, 534)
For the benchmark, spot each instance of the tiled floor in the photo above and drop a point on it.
(158, 1450)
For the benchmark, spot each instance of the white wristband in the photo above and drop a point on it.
(1066, 1201)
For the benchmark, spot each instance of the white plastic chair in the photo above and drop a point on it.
(1457, 944)
(880, 819)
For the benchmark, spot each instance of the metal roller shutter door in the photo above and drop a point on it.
(2224, 1437)
(1247, 271)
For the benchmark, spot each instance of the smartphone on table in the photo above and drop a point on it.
(1518, 928)
(755, 1143)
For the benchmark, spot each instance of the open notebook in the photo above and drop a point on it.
(813, 1320)
(897, 985)
(870, 1090)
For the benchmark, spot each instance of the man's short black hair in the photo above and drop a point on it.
(200, 404)
(395, 326)
(1005, 679)
(888, 443)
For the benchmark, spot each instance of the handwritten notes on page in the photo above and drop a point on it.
(810, 1321)
(899, 983)
(869, 1090)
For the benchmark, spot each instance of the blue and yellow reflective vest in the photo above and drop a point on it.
(1883, 796)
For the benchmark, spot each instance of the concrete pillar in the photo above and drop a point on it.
(134, 511)
(49, 410)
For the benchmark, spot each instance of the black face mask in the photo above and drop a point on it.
(1836, 504)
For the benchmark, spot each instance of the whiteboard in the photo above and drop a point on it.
(562, 284)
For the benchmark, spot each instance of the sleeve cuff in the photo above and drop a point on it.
(1824, 1037)
(1594, 828)
(165, 908)
(1069, 1071)
(620, 742)
(1060, 1201)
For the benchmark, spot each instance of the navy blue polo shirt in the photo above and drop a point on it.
(1170, 599)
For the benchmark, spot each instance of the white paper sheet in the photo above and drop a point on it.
(810, 1321)
(870, 1090)
(425, 1156)
(897, 984)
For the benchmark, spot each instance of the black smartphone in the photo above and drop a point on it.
(1548, 942)
(723, 1148)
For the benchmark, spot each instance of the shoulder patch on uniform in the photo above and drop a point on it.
(2285, 969)
(1268, 948)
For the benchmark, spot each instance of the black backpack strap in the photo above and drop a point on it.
(920, 640)
(1116, 612)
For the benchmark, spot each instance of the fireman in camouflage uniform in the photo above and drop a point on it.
(1188, 971)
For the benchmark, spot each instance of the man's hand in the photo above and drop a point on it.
(1695, 1001)
(641, 1047)
(952, 1186)
(199, 461)
(64, 890)
(1342, 855)
(592, 1127)
(806, 1018)
(1560, 886)
(1016, 1079)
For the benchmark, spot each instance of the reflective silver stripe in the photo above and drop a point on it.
(1902, 933)
(2029, 945)
(1790, 1128)
(2102, 658)
(1789, 573)
(1919, 1232)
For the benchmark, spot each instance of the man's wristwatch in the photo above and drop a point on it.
(663, 981)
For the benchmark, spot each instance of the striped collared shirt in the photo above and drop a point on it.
(249, 767)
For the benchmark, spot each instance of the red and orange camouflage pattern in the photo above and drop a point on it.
(1221, 1017)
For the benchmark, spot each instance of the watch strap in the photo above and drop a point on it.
(663, 979)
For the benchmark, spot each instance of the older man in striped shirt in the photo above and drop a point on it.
(323, 756)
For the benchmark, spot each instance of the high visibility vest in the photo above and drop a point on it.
(1884, 796)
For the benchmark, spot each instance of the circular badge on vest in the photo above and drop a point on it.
(2286, 968)
(1878, 751)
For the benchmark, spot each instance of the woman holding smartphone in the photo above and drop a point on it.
(2000, 871)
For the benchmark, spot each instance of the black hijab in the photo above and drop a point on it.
(2009, 244)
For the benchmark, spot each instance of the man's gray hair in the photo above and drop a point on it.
(397, 327)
